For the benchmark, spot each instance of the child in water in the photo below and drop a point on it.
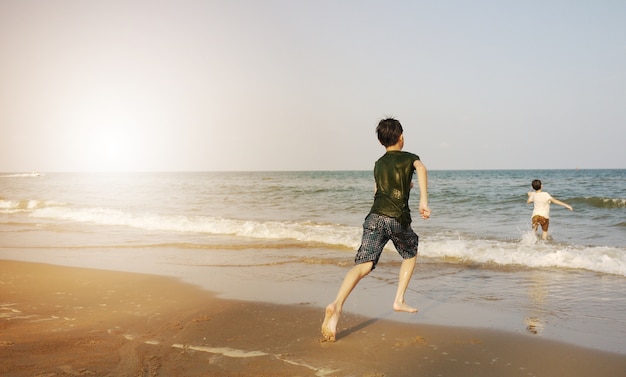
(541, 211)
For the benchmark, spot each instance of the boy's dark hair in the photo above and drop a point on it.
(389, 131)
(536, 184)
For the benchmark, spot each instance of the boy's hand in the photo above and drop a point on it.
(425, 212)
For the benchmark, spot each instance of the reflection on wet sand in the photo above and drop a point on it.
(537, 293)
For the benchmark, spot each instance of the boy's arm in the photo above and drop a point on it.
(530, 197)
(556, 201)
(422, 181)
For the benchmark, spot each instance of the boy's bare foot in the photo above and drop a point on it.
(329, 327)
(403, 307)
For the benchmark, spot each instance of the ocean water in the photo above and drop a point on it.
(302, 227)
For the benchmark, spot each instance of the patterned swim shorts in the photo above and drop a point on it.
(377, 231)
(540, 220)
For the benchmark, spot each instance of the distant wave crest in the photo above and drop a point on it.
(12, 206)
(600, 202)
(20, 175)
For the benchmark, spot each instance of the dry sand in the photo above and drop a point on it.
(62, 321)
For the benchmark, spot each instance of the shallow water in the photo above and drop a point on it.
(247, 235)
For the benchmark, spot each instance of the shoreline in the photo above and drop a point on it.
(249, 277)
(58, 320)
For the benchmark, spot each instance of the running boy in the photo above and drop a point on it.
(389, 219)
(541, 211)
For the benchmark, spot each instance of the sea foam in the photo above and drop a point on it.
(526, 251)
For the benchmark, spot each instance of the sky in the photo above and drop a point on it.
(265, 85)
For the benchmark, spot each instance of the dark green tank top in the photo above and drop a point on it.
(393, 173)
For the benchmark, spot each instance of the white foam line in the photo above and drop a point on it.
(319, 372)
(11, 309)
(10, 316)
(239, 353)
(224, 351)
(44, 319)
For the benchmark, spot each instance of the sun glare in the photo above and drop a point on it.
(112, 147)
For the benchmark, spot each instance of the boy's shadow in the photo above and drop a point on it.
(360, 326)
(356, 328)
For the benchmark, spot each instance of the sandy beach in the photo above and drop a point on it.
(65, 321)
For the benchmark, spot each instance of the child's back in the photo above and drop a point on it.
(393, 173)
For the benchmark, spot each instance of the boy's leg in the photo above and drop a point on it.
(406, 242)
(406, 271)
(373, 240)
(333, 310)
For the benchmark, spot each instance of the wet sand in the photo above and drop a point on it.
(65, 321)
